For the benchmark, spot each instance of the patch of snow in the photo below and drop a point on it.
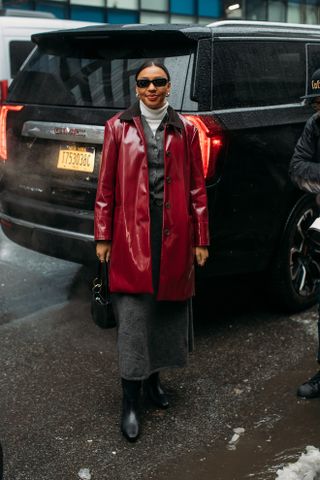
(84, 474)
(309, 321)
(239, 430)
(307, 467)
(269, 420)
(234, 438)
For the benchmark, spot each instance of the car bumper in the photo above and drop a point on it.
(61, 243)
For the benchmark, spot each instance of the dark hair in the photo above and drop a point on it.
(151, 63)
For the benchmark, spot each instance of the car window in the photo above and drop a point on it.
(18, 51)
(313, 62)
(99, 82)
(251, 74)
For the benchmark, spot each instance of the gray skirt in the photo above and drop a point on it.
(152, 335)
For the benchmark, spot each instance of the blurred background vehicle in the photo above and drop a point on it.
(16, 28)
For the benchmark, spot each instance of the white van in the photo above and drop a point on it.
(15, 40)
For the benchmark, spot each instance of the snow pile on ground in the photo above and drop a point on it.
(306, 468)
(84, 474)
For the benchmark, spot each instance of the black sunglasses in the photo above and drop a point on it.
(157, 82)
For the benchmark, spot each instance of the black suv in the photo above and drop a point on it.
(239, 82)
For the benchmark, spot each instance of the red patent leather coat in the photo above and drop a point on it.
(122, 206)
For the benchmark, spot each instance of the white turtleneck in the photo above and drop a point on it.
(153, 116)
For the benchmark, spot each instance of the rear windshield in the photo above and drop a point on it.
(95, 82)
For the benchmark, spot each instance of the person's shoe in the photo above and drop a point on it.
(311, 388)
(130, 405)
(154, 391)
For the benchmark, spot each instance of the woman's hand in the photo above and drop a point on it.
(201, 254)
(103, 250)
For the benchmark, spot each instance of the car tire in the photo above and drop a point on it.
(294, 270)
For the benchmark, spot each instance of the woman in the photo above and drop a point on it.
(151, 210)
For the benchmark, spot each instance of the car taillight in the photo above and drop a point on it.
(211, 142)
(3, 90)
(4, 109)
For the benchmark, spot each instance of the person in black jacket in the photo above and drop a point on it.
(305, 173)
(305, 162)
(315, 102)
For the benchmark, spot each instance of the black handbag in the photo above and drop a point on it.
(101, 307)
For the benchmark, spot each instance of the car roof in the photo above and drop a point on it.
(257, 28)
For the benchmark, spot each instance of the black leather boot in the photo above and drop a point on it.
(155, 392)
(130, 405)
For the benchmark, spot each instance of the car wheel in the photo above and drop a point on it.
(295, 269)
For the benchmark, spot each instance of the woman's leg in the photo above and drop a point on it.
(155, 392)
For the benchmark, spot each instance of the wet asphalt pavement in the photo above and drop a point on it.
(60, 397)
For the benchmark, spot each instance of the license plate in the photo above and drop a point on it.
(80, 159)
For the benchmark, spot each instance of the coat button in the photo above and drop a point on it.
(167, 205)
(166, 232)
(168, 153)
(168, 179)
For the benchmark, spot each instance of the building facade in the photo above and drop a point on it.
(175, 11)
(127, 11)
(292, 11)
